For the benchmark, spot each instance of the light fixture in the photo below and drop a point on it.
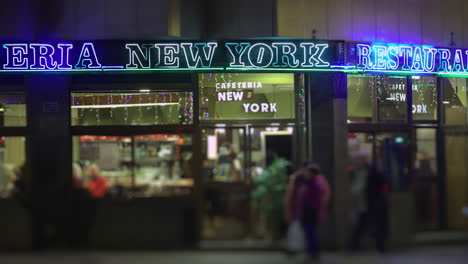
(121, 105)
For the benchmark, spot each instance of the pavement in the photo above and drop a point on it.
(425, 255)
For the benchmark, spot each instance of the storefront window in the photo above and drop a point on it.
(360, 98)
(456, 155)
(138, 108)
(391, 97)
(12, 157)
(137, 166)
(12, 109)
(455, 100)
(377, 98)
(424, 98)
(246, 96)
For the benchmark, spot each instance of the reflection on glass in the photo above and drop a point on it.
(12, 109)
(223, 154)
(138, 108)
(12, 157)
(425, 180)
(138, 166)
(376, 98)
(360, 98)
(424, 93)
(246, 96)
(388, 151)
(360, 148)
(391, 97)
(455, 100)
(391, 150)
(456, 155)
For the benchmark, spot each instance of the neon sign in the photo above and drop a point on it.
(417, 59)
(167, 56)
(277, 55)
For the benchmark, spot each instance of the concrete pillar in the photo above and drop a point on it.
(327, 118)
(48, 137)
(49, 154)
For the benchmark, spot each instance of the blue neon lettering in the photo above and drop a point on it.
(364, 52)
(429, 61)
(458, 61)
(237, 50)
(262, 59)
(405, 52)
(285, 55)
(417, 60)
(138, 58)
(64, 56)
(42, 57)
(466, 52)
(444, 56)
(88, 58)
(16, 56)
(380, 52)
(392, 56)
(193, 59)
(167, 55)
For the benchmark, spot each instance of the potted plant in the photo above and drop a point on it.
(269, 191)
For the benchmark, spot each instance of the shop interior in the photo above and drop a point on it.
(240, 140)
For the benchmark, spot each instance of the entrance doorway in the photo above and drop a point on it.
(278, 145)
(233, 156)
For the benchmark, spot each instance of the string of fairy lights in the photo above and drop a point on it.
(133, 108)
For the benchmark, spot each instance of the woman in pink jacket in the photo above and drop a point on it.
(306, 201)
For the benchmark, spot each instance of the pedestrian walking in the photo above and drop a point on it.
(306, 203)
(375, 217)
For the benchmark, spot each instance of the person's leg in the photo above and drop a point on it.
(380, 228)
(358, 230)
(312, 240)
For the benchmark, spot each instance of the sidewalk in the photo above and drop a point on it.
(426, 255)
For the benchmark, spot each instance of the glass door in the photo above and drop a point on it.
(389, 151)
(233, 156)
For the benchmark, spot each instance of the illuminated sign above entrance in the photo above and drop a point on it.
(269, 55)
(109, 55)
(407, 58)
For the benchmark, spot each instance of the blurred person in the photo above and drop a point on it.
(236, 167)
(80, 210)
(20, 185)
(306, 201)
(97, 185)
(358, 199)
(7, 180)
(425, 192)
(224, 163)
(77, 174)
(375, 216)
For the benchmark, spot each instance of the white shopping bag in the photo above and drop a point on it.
(296, 238)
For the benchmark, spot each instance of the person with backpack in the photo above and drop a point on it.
(306, 202)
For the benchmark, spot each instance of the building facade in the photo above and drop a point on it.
(183, 104)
